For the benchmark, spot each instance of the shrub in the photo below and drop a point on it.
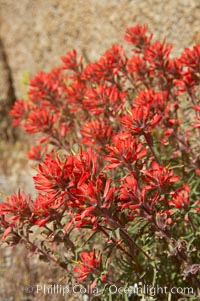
(117, 146)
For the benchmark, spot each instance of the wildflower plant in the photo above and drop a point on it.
(118, 166)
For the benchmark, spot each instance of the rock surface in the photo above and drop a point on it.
(36, 33)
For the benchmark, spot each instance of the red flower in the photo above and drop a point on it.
(75, 95)
(138, 67)
(140, 120)
(19, 111)
(90, 263)
(181, 197)
(190, 74)
(196, 108)
(173, 71)
(157, 54)
(187, 82)
(58, 178)
(54, 175)
(48, 87)
(90, 193)
(109, 65)
(159, 177)
(156, 100)
(166, 135)
(36, 153)
(96, 132)
(71, 62)
(130, 195)
(40, 120)
(16, 208)
(107, 100)
(124, 149)
(45, 209)
(191, 58)
(137, 36)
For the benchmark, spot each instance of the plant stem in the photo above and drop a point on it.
(151, 148)
(114, 224)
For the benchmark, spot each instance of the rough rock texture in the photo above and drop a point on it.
(36, 33)
(7, 95)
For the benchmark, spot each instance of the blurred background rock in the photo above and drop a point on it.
(33, 36)
(35, 33)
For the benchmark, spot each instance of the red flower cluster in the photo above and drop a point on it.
(137, 35)
(17, 204)
(140, 120)
(159, 177)
(96, 132)
(118, 156)
(90, 261)
(190, 66)
(124, 150)
(108, 67)
(107, 100)
(181, 197)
